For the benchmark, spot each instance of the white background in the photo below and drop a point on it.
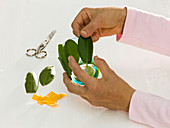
(26, 23)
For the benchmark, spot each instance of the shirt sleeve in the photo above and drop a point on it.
(150, 110)
(151, 32)
(146, 30)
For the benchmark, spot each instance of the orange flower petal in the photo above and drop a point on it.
(50, 99)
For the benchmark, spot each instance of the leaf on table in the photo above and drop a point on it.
(47, 75)
(31, 85)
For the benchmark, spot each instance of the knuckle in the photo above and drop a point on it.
(92, 26)
(93, 88)
(72, 24)
(85, 9)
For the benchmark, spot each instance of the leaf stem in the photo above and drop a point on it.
(86, 64)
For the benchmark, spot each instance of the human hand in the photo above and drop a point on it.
(99, 22)
(110, 91)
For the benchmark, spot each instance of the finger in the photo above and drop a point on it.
(95, 37)
(85, 17)
(76, 29)
(81, 19)
(72, 87)
(77, 24)
(103, 66)
(90, 28)
(79, 73)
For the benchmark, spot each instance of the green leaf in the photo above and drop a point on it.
(71, 49)
(63, 60)
(61, 51)
(47, 75)
(65, 67)
(31, 85)
(85, 49)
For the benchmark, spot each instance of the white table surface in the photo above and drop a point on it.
(25, 24)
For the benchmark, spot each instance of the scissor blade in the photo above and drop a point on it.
(50, 36)
(45, 43)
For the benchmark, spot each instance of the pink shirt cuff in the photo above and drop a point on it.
(150, 110)
(146, 30)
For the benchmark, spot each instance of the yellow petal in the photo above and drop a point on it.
(50, 99)
(61, 95)
(35, 97)
(50, 94)
(41, 102)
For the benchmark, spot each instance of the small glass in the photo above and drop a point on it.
(82, 64)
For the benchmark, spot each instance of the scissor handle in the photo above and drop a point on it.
(29, 50)
(42, 56)
(42, 46)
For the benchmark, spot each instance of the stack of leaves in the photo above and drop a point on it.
(69, 49)
(83, 50)
(50, 99)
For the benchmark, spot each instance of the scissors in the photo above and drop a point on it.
(36, 52)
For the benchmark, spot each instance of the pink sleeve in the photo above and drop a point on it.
(151, 32)
(147, 31)
(150, 110)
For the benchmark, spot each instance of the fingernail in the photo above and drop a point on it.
(69, 58)
(84, 33)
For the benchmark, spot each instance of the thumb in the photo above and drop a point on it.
(90, 28)
(103, 66)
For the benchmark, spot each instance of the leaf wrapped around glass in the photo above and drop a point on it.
(91, 69)
(82, 52)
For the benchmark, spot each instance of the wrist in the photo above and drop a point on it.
(123, 14)
(129, 95)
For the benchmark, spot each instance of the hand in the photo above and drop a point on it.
(99, 22)
(110, 91)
